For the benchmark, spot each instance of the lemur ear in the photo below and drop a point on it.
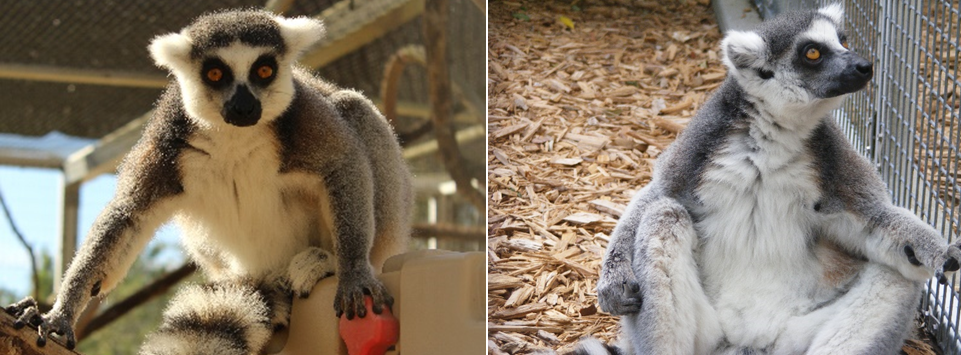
(170, 51)
(743, 50)
(300, 33)
(834, 11)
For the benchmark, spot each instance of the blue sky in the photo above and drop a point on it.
(33, 197)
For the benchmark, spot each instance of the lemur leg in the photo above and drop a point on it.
(218, 319)
(873, 317)
(675, 317)
(307, 268)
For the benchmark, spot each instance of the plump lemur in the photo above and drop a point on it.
(277, 179)
(763, 231)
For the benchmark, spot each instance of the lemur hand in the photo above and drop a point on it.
(618, 291)
(951, 263)
(54, 322)
(351, 289)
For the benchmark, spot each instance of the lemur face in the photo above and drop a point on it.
(798, 59)
(234, 68)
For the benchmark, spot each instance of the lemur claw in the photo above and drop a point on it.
(28, 313)
(56, 324)
(350, 297)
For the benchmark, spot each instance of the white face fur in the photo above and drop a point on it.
(811, 74)
(237, 85)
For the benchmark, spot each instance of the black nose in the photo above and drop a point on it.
(865, 68)
(243, 109)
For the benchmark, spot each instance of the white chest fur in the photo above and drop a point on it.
(239, 214)
(755, 223)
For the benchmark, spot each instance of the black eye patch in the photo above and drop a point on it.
(215, 73)
(263, 71)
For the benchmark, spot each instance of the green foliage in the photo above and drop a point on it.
(7, 297)
(521, 16)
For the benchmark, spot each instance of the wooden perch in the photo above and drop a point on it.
(451, 231)
(23, 341)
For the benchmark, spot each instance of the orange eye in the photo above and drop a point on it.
(813, 54)
(844, 44)
(265, 72)
(215, 75)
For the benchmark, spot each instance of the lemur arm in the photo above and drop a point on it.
(346, 173)
(860, 214)
(145, 187)
(618, 291)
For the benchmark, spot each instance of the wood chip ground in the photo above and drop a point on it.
(576, 117)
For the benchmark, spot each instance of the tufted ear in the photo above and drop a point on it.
(743, 50)
(834, 11)
(171, 51)
(300, 33)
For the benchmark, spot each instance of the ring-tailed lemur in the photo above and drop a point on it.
(266, 169)
(763, 231)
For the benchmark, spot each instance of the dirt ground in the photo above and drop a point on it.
(582, 99)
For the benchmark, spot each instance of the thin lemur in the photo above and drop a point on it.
(277, 179)
(763, 231)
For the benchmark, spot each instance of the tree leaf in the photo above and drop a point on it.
(567, 22)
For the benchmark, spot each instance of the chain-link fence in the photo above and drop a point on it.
(906, 121)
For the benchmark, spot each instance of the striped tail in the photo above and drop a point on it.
(215, 319)
(592, 346)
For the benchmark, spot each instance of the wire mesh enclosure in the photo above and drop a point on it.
(906, 121)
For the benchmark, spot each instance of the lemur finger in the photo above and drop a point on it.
(909, 252)
(953, 255)
(17, 309)
(951, 265)
(941, 278)
(30, 315)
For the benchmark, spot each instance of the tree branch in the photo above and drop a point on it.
(450, 230)
(439, 90)
(147, 293)
(33, 257)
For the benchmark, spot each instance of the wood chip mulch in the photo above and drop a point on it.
(576, 117)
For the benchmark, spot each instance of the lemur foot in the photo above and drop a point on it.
(27, 312)
(350, 295)
(307, 268)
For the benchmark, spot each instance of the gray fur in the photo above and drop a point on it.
(322, 174)
(254, 28)
(762, 184)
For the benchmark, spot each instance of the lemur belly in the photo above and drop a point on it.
(236, 198)
(756, 224)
